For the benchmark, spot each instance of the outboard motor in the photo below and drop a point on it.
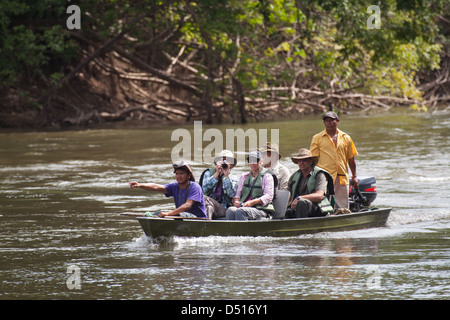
(364, 195)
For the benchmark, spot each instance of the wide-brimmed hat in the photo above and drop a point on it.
(330, 114)
(226, 155)
(304, 154)
(271, 147)
(184, 165)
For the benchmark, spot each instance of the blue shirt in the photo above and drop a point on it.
(194, 192)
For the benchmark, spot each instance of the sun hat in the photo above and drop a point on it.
(226, 155)
(271, 147)
(304, 154)
(183, 165)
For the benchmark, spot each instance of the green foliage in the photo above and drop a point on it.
(32, 47)
(263, 43)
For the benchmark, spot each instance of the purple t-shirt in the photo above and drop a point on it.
(194, 193)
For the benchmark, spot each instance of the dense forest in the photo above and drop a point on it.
(78, 62)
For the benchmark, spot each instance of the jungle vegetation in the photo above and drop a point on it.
(92, 61)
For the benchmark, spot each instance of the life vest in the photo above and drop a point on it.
(213, 190)
(254, 190)
(327, 203)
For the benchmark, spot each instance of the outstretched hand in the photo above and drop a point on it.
(134, 184)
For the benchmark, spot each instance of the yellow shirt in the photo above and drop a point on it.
(334, 158)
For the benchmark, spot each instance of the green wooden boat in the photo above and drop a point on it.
(187, 227)
(361, 218)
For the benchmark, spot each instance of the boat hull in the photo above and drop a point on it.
(162, 227)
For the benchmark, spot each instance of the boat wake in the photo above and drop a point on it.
(145, 242)
(410, 216)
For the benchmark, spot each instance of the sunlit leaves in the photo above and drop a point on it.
(263, 43)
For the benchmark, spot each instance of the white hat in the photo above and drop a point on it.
(226, 155)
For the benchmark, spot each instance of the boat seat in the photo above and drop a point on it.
(280, 203)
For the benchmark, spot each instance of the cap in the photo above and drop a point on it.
(183, 165)
(254, 155)
(330, 114)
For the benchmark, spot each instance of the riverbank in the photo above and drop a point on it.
(88, 103)
(31, 120)
(216, 64)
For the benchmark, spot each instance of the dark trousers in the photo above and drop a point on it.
(305, 209)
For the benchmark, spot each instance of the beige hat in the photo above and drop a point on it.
(304, 154)
(184, 165)
(271, 147)
(226, 155)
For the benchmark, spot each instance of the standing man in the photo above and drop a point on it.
(187, 194)
(335, 150)
(271, 156)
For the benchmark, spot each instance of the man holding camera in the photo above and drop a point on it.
(219, 186)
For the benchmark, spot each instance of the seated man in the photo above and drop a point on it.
(310, 187)
(271, 157)
(187, 194)
(255, 190)
(219, 185)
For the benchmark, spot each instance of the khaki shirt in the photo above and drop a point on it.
(282, 174)
(334, 158)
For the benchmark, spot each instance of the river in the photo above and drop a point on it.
(63, 235)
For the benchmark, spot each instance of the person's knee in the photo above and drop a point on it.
(230, 214)
(240, 215)
(303, 208)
